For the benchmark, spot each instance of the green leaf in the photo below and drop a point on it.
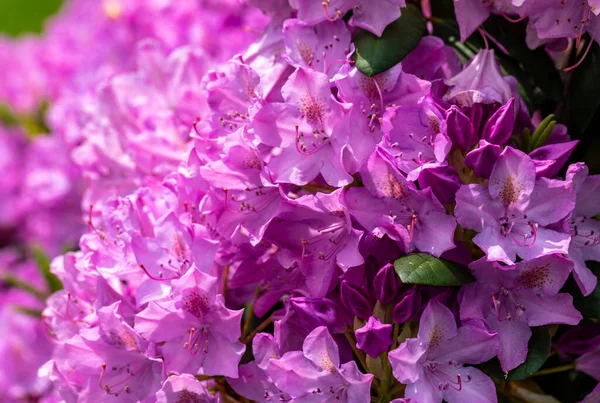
(375, 55)
(538, 350)
(25, 16)
(421, 268)
(15, 282)
(43, 264)
(7, 117)
(583, 97)
(25, 310)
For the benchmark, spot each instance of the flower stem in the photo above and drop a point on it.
(554, 370)
(357, 352)
(259, 328)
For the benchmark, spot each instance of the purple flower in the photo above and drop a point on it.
(195, 329)
(303, 127)
(483, 158)
(249, 201)
(415, 137)
(365, 15)
(110, 362)
(470, 14)
(185, 388)
(374, 337)
(316, 372)
(585, 229)
(590, 364)
(315, 234)
(513, 212)
(432, 59)
(510, 299)
(355, 301)
(322, 47)
(408, 306)
(390, 205)
(480, 81)
(431, 365)
(386, 284)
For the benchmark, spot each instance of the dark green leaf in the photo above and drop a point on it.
(421, 268)
(36, 313)
(43, 264)
(6, 116)
(583, 97)
(15, 282)
(538, 350)
(374, 55)
(25, 16)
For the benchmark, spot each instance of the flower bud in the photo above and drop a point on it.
(386, 284)
(549, 159)
(374, 338)
(355, 301)
(579, 340)
(408, 307)
(499, 127)
(314, 312)
(459, 128)
(443, 181)
(482, 159)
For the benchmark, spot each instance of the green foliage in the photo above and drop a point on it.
(537, 353)
(43, 264)
(583, 97)
(19, 17)
(421, 268)
(375, 55)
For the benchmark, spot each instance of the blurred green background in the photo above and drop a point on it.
(18, 17)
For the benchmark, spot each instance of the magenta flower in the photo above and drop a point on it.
(316, 372)
(374, 338)
(315, 234)
(184, 388)
(195, 329)
(303, 127)
(585, 230)
(173, 250)
(365, 15)
(513, 213)
(249, 201)
(391, 205)
(110, 362)
(432, 365)
(415, 136)
(323, 47)
(480, 81)
(510, 299)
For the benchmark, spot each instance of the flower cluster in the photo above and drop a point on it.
(548, 20)
(243, 217)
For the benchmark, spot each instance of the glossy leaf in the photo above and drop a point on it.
(538, 350)
(421, 268)
(375, 55)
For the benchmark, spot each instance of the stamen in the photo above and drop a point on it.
(158, 278)
(327, 17)
(338, 61)
(580, 60)
(487, 45)
(514, 20)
